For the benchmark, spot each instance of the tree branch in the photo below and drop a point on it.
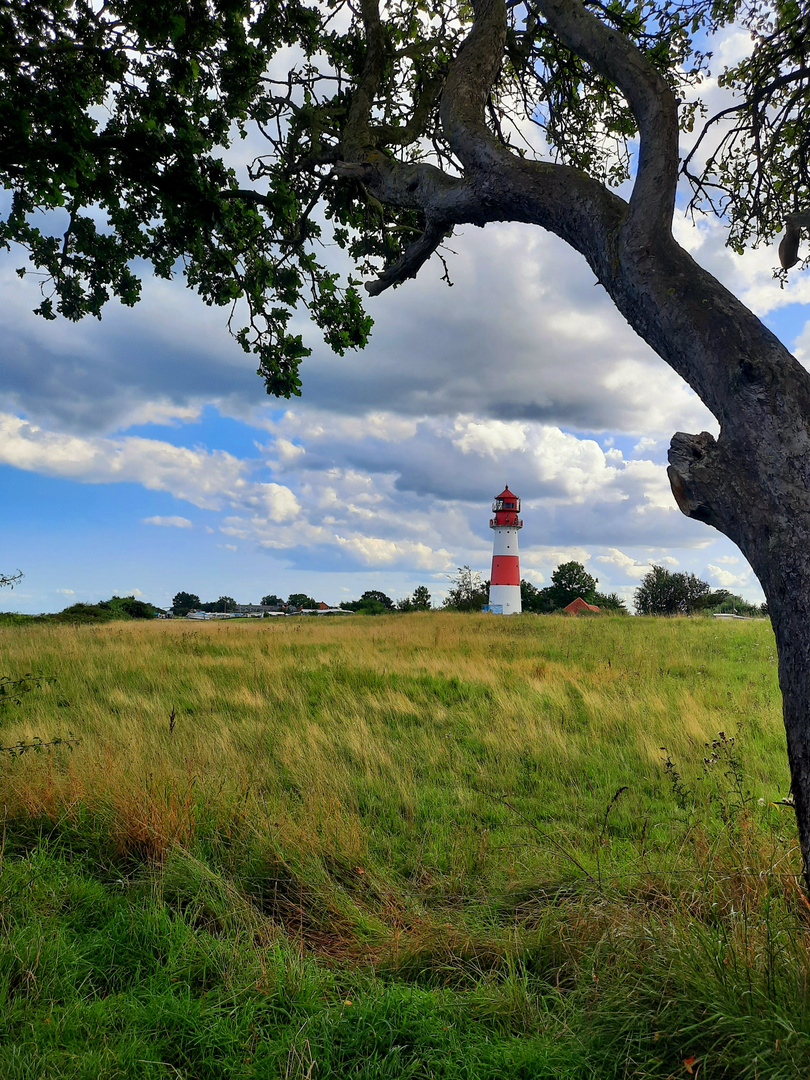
(651, 100)
(413, 259)
(497, 185)
(357, 132)
(469, 85)
(415, 127)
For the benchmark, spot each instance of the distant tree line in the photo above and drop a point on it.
(184, 602)
(372, 602)
(117, 607)
(663, 592)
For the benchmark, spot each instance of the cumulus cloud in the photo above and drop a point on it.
(726, 580)
(376, 551)
(523, 335)
(171, 521)
(211, 480)
(629, 566)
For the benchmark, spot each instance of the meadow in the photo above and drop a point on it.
(428, 845)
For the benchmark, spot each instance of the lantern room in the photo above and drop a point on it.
(506, 508)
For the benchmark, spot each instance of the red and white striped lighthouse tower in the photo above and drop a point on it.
(504, 588)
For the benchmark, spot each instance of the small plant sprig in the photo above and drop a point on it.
(12, 690)
(684, 797)
(725, 757)
(723, 772)
(38, 745)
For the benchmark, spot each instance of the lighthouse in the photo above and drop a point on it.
(504, 589)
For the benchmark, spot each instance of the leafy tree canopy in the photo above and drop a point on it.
(662, 592)
(374, 595)
(272, 601)
(535, 600)
(468, 593)
(224, 603)
(116, 121)
(418, 601)
(610, 602)
(721, 601)
(372, 602)
(300, 600)
(572, 580)
(184, 602)
(117, 607)
(421, 598)
(136, 609)
(569, 581)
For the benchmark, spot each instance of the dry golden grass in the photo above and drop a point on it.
(337, 730)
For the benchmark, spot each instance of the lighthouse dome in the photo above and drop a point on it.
(507, 500)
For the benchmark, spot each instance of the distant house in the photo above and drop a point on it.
(578, 605)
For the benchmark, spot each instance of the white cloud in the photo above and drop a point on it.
(629, 566)
(647, 445)
(65, 592)
(208, 479)
(726, 580)
(490, 438)
(163, 412)
(172, 521)
(198, 476)
(375, 551)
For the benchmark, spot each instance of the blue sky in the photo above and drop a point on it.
(141, 455)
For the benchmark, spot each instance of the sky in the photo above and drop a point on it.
(140, 455)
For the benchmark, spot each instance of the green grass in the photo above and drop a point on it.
(419, 846)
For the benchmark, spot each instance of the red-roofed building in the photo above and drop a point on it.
(578, 605)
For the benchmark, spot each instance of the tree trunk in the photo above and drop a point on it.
(792, 629)
(767, 517)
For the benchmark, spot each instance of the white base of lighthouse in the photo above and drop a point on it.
(505, 599)
(504, 588)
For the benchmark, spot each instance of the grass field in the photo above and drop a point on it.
(435, 845)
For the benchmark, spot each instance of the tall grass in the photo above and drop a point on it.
(465, 826)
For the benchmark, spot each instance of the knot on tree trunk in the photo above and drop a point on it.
(697, 476)
(789, 248)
